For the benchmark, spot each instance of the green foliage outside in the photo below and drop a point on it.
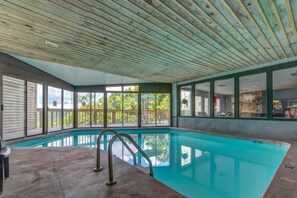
(153, 104)
(159, 145)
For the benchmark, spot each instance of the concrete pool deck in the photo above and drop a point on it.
(67, 172)
(284, 183)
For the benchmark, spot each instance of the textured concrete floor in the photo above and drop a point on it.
(67, 172)
(284, 183)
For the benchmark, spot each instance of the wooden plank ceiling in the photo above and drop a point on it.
(155, 40)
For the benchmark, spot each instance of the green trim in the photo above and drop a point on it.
(193, 105)
(269, 96)
(246, 73)
(104, 109)
(211, 110)
(269, 92)
(236, 97)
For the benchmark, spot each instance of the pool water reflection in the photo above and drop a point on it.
(195, 165)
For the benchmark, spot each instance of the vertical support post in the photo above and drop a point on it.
(193, 100)
(139, 109)
(45, 109)
(26, 110)
(269, 97)
(211, 101)
(178, 101)
(90, 117)
(75, 109)
(236, 97)
(122, 108)
(62, 109)
(94, 109)
(105, 110)
(1, 105)
(155, 109)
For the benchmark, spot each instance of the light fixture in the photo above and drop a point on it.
(51, 43)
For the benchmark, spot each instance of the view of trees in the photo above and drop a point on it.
(157, 145)
(122, 108)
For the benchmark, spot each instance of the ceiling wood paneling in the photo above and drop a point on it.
(155, 40)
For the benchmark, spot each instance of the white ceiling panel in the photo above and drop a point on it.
(79, 76)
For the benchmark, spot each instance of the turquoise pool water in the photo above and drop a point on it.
(196, 165)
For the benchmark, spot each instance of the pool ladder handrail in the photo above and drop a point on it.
(98, 167)
(110, 164)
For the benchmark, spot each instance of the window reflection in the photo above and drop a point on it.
(285, 93)
(83, 104)
(224, 98)
(114, 109)
(34, 108)
(185, 155)
(130, 109)
(162, 109)
(156, 146)
(148, 109)
(68, 109)
(97, 109)
(54, 109)
(202, 95)
(252, 95)
(185, 101)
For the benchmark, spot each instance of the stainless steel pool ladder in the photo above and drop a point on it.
(98, 167)
(110, 165)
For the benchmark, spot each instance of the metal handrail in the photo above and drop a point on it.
(98, 167)
(110, 165)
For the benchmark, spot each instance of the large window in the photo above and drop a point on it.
(163, 109)
(224, 98)
(252, 96)
(285, 93)
(130, 109)
(68, 110)
(34, 108)
(13, 108)
(185, 101)
(131, 88)
(114, 109)
(84, 108)
(114, 88)
(54, 111)
(155, 109)
(97, 109)
(148, 109)
(202, 96)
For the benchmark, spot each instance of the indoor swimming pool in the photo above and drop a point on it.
(191, 163)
